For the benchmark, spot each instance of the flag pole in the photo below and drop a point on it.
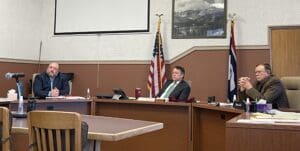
(159, 45)
(232, 16)
(157, 77)
(159, 21)
(232, 63)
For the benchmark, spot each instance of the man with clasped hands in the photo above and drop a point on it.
(267, 87)
(51, 83)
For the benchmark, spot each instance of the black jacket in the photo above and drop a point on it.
(181, 91)
(42, 85)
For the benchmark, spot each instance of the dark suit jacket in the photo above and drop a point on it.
(270, 89)
(181, 91)
(42, 85)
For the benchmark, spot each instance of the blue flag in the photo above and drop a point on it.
(232, 66)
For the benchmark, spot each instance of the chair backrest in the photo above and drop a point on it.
(5, 126)
(292, 85)
(33, 78)
(54, 131)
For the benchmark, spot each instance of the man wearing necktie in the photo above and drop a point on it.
(51, 83)
(176, 88)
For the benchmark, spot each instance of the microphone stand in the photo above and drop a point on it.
(20, 112)
(19, 87)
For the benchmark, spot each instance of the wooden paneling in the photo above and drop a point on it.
(261, 137)
(285, 45)
(175, 136)
(81, 106)
(262, 140)
(209, 126)
(5, 67)
(206, 70)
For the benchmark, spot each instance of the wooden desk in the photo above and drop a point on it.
(4, 102)
(82, 106)
(100, 129)
(175, 136)
(209, 126)
(261, 137)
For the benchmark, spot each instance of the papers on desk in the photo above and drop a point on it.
(74, 97)
(66, 97)
(225, 104)
(146, 99)
(5, 100)
(131, 98)
(278, 117)
(55, 97)
(268, 121)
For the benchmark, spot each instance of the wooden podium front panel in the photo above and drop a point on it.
(261, 137)
(175, 136)
(81, 106)
(209, 126)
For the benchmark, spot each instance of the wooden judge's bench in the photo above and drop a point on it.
(186, 126)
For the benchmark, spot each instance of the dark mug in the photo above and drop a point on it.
(138, 92)
(211, 99)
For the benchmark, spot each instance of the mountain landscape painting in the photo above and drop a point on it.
(199, 19)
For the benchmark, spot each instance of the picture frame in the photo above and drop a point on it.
(199, 19)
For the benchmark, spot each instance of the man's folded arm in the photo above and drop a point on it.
(37, 88)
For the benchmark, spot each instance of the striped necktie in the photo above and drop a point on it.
(169, 90)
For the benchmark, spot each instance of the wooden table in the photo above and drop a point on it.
(82, 106)
(100, 129)
(208, 127)
(261, 137)
(4, 102)
(175, 136)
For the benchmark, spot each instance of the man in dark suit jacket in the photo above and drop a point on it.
(51, 83)
(176, 88)
(266, 86)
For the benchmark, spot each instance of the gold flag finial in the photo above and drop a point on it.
(232, 17)
(159, 21)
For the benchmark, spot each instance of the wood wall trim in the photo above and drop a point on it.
(284, 27)
(18, 60)
(218, 48)
(185, 53)
(98, 62)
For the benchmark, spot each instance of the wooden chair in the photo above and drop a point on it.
(54, 131)
(5, 125)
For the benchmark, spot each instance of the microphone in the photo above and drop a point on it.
(9, 75)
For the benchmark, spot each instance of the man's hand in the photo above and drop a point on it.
(244, 83)
(55, 92)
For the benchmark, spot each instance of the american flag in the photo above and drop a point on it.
(157, 77)
(232, 66)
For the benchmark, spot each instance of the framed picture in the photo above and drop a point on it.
(199, 19)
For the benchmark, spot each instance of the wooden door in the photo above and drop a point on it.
(285, 50)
